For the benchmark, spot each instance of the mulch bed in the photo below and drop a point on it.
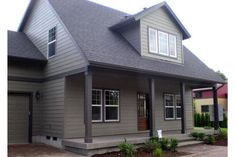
(221, 142)
(143, 153)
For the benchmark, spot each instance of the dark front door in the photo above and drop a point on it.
(142, 111)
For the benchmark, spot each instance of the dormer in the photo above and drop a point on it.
(155, 33)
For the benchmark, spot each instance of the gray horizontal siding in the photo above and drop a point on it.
(128, 86)
(160, 20)
(52, 108)
(68, 56)
(21, 70)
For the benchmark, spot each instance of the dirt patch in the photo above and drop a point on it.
(33, 150)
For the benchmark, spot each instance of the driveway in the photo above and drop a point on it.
(204, 150)
(38, 150)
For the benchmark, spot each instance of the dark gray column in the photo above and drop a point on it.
(88, 107)
(182, 94)
(151, 114)
(215, 101)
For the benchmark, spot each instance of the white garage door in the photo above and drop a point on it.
(18, 119)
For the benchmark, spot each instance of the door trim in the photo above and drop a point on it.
(30, 96)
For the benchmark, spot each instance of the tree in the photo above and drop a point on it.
(222, 75)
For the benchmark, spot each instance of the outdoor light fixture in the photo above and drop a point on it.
(37, 95)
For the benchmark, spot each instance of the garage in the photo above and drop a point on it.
(19, 118)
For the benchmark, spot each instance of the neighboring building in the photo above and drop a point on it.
(77, 69)
(203, 98)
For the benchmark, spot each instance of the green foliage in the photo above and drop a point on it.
(194, 134)
(207, 120)
(224, 124)
(223, 134)
(222, 75)
(127, 149)
(201, 136)
(202, 120)
(165, 143)
(210, 139)
(173, 144)
(198, 120)
(158, 152)
(151, 145)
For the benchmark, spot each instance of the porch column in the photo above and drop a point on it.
(88, 107)
(215, 101)
(182, 94)
(151, 114)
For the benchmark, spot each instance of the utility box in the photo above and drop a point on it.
(220, 113)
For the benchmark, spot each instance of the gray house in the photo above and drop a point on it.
(78, 71)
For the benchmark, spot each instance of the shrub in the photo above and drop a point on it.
(201, 136)
(157, 152)
(127, 149)
(224, 124)
(210, 139)
(198, 120)
(207, 119)
(165, 144)
(151, 145)
(173, 144)
(202, 120)
(223, 134)
(194, 134)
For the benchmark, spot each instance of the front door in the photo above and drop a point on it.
(142, 111)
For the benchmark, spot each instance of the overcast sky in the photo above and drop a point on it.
(210, 23)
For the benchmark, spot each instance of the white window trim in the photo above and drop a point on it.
(173, 107)
(177, 107)
(118, 107)
(168, 54)
(176, 112)
(174, 56)
(48, 43)
(100, 105)
(149, 39)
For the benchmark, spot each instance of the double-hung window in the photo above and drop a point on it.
(105, 105)
(52, 42)
(173, 106)
(96, 105)
(178, 110)
(111, 100)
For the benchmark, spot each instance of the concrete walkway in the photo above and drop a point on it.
(205, 151)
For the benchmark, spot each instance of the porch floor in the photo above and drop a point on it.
(110, 143)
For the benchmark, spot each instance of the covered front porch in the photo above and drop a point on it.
(85, 135)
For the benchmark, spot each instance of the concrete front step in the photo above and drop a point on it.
(189, 143)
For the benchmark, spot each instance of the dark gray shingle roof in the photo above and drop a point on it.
(19, 46)
(89, 24)
(146, 11)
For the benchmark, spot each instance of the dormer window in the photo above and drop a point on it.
(152, 40)
(52, 42)
(162, 43)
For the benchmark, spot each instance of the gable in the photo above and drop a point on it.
(160, 21)
(68, 56)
